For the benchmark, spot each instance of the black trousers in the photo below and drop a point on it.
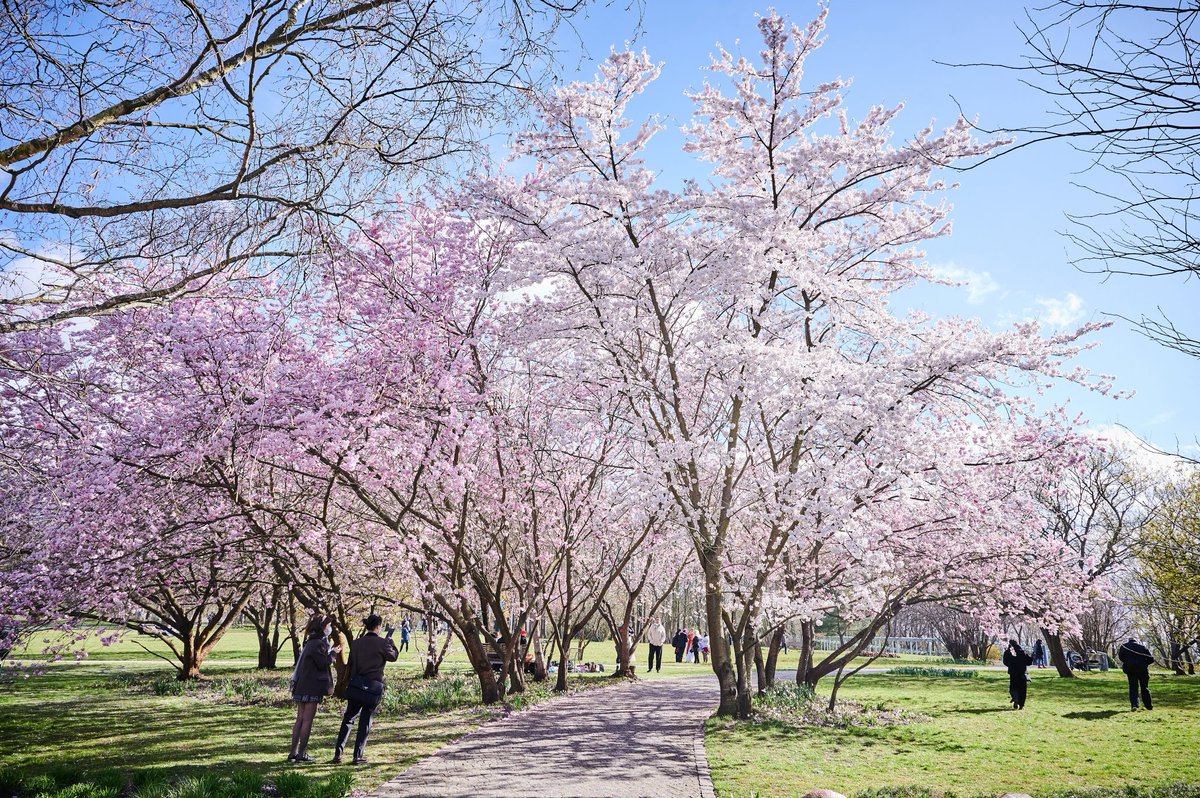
(655, 658)
(678, 654)
(364, 714)
(1139, 680)
(1017, 688)
(403, 644)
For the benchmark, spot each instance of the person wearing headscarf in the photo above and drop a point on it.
(1017, 662)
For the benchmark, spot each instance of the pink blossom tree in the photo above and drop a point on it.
(777, 399)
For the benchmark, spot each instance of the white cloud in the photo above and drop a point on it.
(1060, 312)
(1147, 457)
(979, 285)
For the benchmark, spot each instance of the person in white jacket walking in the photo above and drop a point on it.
(656, 636)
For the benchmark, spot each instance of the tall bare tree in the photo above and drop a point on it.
(1097, 511)
(148, 147)
(1125, 89)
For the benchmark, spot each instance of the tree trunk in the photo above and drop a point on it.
(745, 660)
(808, 642)
(1055, 648)
(624, 655)
(760, 668)
(564, 659)
(489, 688)
(772, 659)
(719, 649)
(190, 661)
(266, 629)
(539, 659)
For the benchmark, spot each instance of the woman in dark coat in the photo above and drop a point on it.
(1017, 662)
(311, 681)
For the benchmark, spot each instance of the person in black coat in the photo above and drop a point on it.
(312, 680)
(679, 641)
(1136, 660)
(369, 654)
(1017, 662)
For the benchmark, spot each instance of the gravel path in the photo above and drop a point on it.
(641, 739)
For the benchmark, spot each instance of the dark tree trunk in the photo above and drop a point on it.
(564, 660)
(772, 659)
(760, 668)
(808, 643)
(489, 688)
(719, 649)
(1054, 647)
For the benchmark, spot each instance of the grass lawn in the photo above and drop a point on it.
(107, 715)
(1072, 733)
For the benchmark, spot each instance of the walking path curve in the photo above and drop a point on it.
(645, 738)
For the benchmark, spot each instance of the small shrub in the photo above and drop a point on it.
(944, 673)
(167, 685)
(298, 785)
(959, 661)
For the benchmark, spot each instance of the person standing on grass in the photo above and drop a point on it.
(312, 680)
(679, 641)
(656, 637)
(704, 647)
(369, 654)
(405, 631)
(1136, 660)
(1039, 653)
(1017, 662)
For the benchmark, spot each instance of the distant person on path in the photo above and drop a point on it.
(405, 633)
(1039, 653)
(1136, 660)
(656, 637)
(1017, 662)
(679, 641)
(312, 680)
(368, 656)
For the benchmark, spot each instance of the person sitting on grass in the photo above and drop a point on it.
(1017, 662)
(312, 680)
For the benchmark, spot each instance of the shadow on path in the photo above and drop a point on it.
(640, 739)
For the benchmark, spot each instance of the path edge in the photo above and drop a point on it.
(703, 774)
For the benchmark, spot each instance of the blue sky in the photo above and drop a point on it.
(1008, 214)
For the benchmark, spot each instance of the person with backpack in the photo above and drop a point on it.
(311, 681)
(1136, 660)
(1017, 662)
(369, 654)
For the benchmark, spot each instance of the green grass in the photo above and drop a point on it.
(133, 718)
(1073, 734)
(241, 645)
(70, 782)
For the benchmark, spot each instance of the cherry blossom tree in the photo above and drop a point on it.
(780, 403)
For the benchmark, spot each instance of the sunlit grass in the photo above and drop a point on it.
(1073, 733)
(108, 716)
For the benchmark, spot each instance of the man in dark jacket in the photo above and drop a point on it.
(679, 641)
(1136, 660)
(368, 656)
